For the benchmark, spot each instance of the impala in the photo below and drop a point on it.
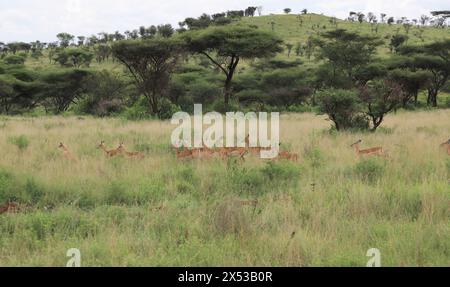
(288, 156)
(378, 151)
(109, 153)
(249, 202)
(67, 154)
(135, 154)
(184, 153)
(446, 145)
(9, 208)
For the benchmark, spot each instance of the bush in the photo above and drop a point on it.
(6, 193)
(315, 156)
(105, 94)
(117, 194)
(14, 60)
(74, 57)
(343, 107)
(138, 111)
(250, 181)
(34, 192)
(370, 169)
(167, 109)
(21, 142)
(279, 172)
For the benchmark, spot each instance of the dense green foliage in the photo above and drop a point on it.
(232, 61)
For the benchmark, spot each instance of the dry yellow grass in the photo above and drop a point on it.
(160, 211)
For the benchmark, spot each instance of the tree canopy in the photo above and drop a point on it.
(226, 46)
(151, 63)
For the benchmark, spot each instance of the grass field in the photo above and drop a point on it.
(164, 212)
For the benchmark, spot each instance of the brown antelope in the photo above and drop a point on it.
(249, 202)
(228, 152)
(9, 208)
(446, 145)
(378, 151)
(288, 156)
(66, 152)
(135, 154)
(109, 153)
(184, 153)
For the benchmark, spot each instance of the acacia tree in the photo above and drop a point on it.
(151, 63)
(435, 58)
(411, 81)
(346, 52)
(65, 39)
(424, 19)
(17, 94)
(225, 47)
(380, 97)
(60, 89)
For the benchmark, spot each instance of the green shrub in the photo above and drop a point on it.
(344, 108)
(21, 142)
(370, 169)
(117, 194)
(167, 109)
(249, 181)
(138, 111)
(34, 191)
(14, 60)
(149, 190)
(447, 102)
(315, 156)
(278, 172)
(6, 193)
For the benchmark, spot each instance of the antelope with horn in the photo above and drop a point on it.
(109, 153)
(378, 151)
(135, 154)
(67, 153)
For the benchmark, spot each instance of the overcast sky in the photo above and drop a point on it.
(30, 20)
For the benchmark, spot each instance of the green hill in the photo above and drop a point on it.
(297, 28)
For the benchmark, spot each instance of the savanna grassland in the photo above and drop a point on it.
(327, 209)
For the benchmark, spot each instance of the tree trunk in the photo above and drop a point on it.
(376, 121)
(432, 97)
(228, 90)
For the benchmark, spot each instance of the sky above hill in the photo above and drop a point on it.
(30, 20)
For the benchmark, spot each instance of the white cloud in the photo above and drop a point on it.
(28, 20)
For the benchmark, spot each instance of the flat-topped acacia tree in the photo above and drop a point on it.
(151, 62)
(226, 46)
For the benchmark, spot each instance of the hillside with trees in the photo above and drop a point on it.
(355, 70)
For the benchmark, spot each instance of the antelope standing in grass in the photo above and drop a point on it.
(184, 153)
(446, 146)
(378, 151)
(109, 153)
(228, 152)
(66, 152)
(135, 154)
(9, 208)
(288, 156)
(248, 202)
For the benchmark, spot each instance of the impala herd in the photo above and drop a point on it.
(226, 152)
(207, 153)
